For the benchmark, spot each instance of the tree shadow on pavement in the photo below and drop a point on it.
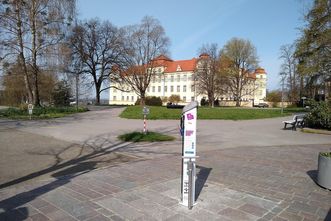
(95, 148)
(201, 179)
(14, 208)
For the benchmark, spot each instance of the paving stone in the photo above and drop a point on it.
(98, 218)
(260, 202)
(279, 219)
(126, 196)
(179, 217)
(202, 214)
(298, 206)
(254, 210)
(124, 210)
(238, 215)
(105, 212)
(59, 215)
(158, 198)
(70, 205)
(116, 218)
(39, 217)
(290, 216)
(152, 209)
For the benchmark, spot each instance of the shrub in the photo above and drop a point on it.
(61, 94)
(204, 102)
(151, 101)
(175, 99)
(319, 116)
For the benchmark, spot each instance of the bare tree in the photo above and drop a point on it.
(288, 70)
(97, 47)
(145, 42)
(30, 32)
(239, 60)
(208, 73)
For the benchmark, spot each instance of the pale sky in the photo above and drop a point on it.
(191, 23)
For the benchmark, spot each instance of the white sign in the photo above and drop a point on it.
(30, 106)
(190, 128)
(145, 110)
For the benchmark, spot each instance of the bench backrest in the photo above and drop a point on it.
(298, 117)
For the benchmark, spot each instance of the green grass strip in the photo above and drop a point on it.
(148, 137)
(220, 113)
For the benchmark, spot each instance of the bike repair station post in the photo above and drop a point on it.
(30, 109)
(145, 112)
(188, 129)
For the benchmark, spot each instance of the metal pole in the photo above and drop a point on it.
(190, 184)
(77, 81)
(282, 110)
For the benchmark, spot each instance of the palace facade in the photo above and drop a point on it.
(177, 77)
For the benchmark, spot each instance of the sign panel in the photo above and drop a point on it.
(190, 127)
(145, 111)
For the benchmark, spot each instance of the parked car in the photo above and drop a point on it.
(263, 105)
(174, 106)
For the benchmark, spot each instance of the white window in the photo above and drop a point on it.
(165, 88)
(153, 89)
(159, 80)
(178, 88)
(114, 98)
(184, 88)
(122, 98)
(159, 88)
(178, 78)
(184, 77)
(127, 98)
(171, 88)
(114, 90)
(172, 78)
(184, 99)
(132, 98)
(192, 88)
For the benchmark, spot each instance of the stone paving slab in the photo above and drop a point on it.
(261, 183)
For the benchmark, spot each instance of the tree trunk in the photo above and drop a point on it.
(142, 99)
(97, 94)
(21, 56)
(210, 100)
(35, 69)
(238, 102)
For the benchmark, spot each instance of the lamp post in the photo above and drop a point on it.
(283, 79)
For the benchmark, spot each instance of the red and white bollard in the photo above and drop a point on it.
(145, 129)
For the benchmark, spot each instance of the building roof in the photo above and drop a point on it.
(171, 66)
(260, 71)
(175, 66)
(181, 66)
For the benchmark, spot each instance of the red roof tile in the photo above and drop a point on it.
(181, 65)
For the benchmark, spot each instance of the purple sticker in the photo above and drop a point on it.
(188, 133)
(189, 116)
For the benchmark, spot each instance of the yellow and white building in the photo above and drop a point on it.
(177, 77)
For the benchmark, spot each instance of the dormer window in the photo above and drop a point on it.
(178, 68)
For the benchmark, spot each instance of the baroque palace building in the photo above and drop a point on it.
(177, 77)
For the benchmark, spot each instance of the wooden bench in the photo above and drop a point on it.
(296, 121)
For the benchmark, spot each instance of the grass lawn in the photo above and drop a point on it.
(148, 137)
(135, 112)
(40, 112)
